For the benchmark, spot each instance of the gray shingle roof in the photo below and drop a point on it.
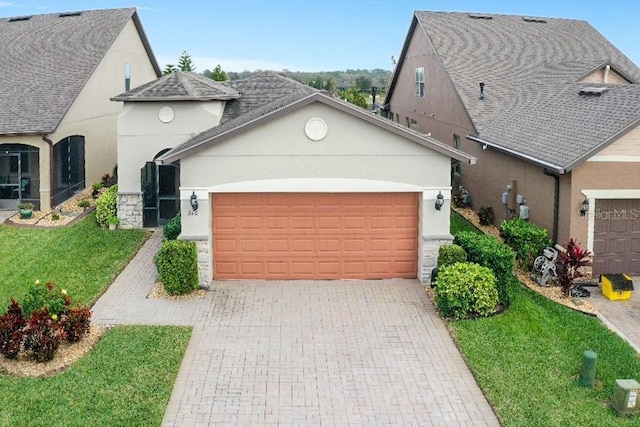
(506, 52)
(530, 68)
(261, 89)
(180, 86)
(269, 93)
(554, 123)
(47, 59)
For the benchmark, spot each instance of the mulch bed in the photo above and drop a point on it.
(552, 292)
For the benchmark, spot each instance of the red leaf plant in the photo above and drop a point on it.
(11, 330)
(572, 262)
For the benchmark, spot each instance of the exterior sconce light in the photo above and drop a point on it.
(439, 200)
(585, 207)
(193, 200)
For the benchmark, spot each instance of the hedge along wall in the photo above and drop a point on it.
(488, 252)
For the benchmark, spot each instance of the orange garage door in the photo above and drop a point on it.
(315, 235)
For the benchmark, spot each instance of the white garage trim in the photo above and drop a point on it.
(315, 185)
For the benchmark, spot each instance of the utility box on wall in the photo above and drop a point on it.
(625, 397)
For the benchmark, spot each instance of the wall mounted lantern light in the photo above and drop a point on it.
(194, 201)
(585, 207)
(439, 200)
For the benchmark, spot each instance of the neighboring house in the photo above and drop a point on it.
(551, 110)
(57, 124)
(276, 180)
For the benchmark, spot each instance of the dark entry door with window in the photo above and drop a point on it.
(160, 193)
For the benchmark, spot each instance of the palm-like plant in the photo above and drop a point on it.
(572, 262)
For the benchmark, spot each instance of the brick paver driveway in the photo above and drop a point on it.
(331, 353)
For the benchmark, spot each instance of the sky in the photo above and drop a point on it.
(329, 35)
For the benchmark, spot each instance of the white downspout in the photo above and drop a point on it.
(606, 73)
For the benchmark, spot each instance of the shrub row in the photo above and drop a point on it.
(46, 319)
(526, 239)
(488, 252)
(177, 264)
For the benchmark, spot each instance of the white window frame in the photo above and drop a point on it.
(420, 80)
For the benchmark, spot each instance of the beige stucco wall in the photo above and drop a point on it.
(93, 114)
(627, 145)
(355, 156)
(141, 134)
(599, 75)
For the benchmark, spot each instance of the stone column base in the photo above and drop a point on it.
(202, 246)
(429, 255)
(130, 210)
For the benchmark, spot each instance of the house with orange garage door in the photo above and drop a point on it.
(551, 110)
(276, 180)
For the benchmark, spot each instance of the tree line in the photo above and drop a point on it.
(351, 85)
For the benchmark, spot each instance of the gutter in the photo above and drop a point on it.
(50, 142)
(556, 203)
(558, 169)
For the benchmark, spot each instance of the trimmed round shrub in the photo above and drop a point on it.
(489, 252)
(173, 228)
(466, 290)
(177, 264)
(106, 206)
(451, 254)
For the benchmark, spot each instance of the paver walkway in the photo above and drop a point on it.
(305, 352)
(622, 316)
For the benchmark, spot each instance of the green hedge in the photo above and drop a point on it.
(106, 206)
(488, 252)
(173, 228)
(526, 239)
(450, 254)
(466, 289)
(177, 264)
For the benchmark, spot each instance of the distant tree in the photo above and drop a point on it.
(185, 63)
(218, 74)
(354, 96)
(330, 85)
(363, 83)
(233, 75)
(169, 69)
(317, 82)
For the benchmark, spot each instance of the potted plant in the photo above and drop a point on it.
(113, 222)
(26, 209)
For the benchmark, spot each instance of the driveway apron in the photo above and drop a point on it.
(305, 352)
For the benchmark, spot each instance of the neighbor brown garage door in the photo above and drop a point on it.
(315, 235)
(616, 243)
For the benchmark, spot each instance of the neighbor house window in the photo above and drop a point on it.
(397, 118)
(420, 81)
(408, 122)
(456, 166)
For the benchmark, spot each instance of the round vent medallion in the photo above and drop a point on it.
(316, 129)
(166, 114)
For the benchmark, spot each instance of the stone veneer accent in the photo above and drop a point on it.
(202, 246)
(429, 256)
(130, 210)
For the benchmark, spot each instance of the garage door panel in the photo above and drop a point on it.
(315, 236)
(616, 240)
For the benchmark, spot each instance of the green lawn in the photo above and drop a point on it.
(458, 224)
(527, 360)
(126, 380)
(83, 258)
